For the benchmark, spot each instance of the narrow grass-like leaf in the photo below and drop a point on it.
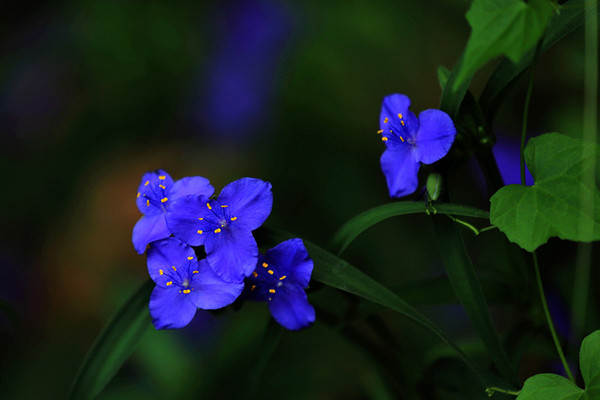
(357, 225)
(337, 273)
(468, 290)
(571, 16)
(114, 345)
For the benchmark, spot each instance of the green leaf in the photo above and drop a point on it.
(553, 206)
(337, 273)
(502, 27)
(357, 225)
(589, 362)
(114, 345)
(467, 288)
(550, 387)
(555, 387)
(571, 16)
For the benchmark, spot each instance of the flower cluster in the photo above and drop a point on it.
(411, 141)
(181, 216)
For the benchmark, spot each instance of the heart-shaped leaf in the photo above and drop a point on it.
(561, 203)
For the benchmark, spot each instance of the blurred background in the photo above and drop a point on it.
(93, 94)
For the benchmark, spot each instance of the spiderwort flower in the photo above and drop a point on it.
(224, 225)
(280, 278)
(155, 194)
(410, 141)
(183, 283)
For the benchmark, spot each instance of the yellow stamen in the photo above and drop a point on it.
(148, 202)
(162, 186)
(195, 272)
(402, 122)
(169, 283)
(160, 272)
(138, 195)
(254, 274)
(271, 290)
(190, 258)
(282, 278)
(164, 200)
(174, 269)
(253, 287)
(208, 205)
(265, 265)
(384, 139)
(385, 121)
(233, 218)
(186, 291)
(200, 232)
(200, 218)
(399, 115)
(270, 272)
(146, 184)
(217, 230)
(223, 206)
(380, 131)
(162, 177)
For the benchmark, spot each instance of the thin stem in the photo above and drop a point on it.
(493, 389)
(561, 355)
(471, 227)
(526, 108)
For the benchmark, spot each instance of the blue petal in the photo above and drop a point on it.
(170, 309)
(393, 106)
(149, 229)
(153, 192)
(191, 185)
(232, 253)
(291, 309)
(435, 137)
(400, 169)
(170, 260)
(211, 292)
(183, 219)
(291, 260)
(248, 200)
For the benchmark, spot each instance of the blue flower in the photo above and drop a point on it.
(155, 194)
(410, 141)
(280, 278)
(183, 284)
(224, 226)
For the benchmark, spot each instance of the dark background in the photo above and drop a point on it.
(94, 94)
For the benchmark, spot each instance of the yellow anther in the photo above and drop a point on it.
(384, 139)
(148, 202)
(162, 177)
(195, 272)
(402, 122)
(270, 272)
(146, 184)
(223, 206)
(160, 272)
(233, 218)
(380, 131)
(164, 200)
(174, 269)
(190, 258)
(271, 290)
(255, 274)
(186, 291)
(265, 265)
(200, 218)
(162, 186)
(169, 283)
(253, 287)
(399, 115)
(217, 230)
(208, 205)
(200, 232)
(282, 278)
(138, 195)
(385, 121)
(401, 138)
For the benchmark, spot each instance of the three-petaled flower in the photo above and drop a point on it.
(410, 141)
(224, 225)
(183, 284)
(155, 194)
(280, 278)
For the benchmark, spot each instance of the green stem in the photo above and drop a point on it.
(471, 227)
(561, 355)
(493, 389)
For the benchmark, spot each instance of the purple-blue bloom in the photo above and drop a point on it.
(155, 194)
(280, 278)
(410, 141)
(224, 225)
(183, 284)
